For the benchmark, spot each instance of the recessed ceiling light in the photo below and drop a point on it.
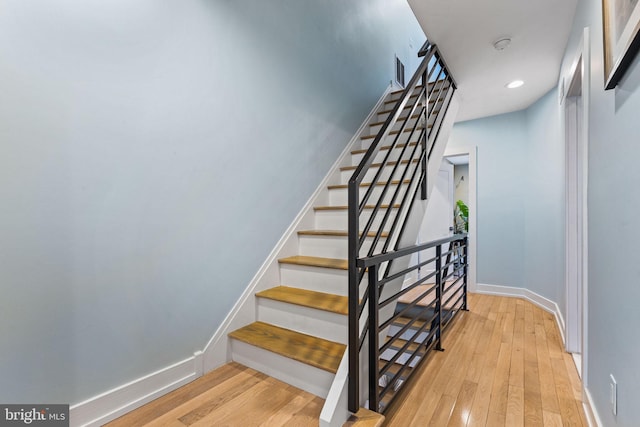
(515, 84)
(502, 44)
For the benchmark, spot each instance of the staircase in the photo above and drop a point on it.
(301, 333)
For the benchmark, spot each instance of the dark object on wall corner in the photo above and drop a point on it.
(621, 30)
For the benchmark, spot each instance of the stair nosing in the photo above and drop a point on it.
(343, 308)
(367, 184)
(345, 207)
(311, 261)
(336, 233)
(395, 132)
(377, 165)
(332, 368)
(384, 147)
(420, 86)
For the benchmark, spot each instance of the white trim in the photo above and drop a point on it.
(116, 402)
(334, 411)
(576, 275)
(590, 409)
(217, 351)
(511, 291)
(586, 100)
(472, 152)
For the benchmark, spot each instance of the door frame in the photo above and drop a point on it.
(471, 151)
(576, 202)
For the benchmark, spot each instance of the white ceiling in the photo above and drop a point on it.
(465, 31)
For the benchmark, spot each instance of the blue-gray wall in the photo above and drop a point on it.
(520, 204)
(151, 155)
(544, 255)
(533, 223)
(613, 206)
(501, 183)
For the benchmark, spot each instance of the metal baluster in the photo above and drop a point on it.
(465, 252)
(374, 299)
(439, 297)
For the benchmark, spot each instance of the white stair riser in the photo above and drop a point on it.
(374, 129)
(405, 136)
(298, 374)
(385, 176)
(339, 196)
(381, 154)
(395, 96)
(338, 219)
(382, 115)
(393, 99)
(331, 246)
(328, 280)
(319, 323)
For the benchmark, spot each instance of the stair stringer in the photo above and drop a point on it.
(334, 412)
(218, 350)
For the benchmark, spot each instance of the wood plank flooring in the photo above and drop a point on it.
(503, 365)
(232, 395)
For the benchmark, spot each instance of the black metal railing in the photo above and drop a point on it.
(385, 184)
(406, 322)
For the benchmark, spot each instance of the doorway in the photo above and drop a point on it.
(576, 117)
(464, 160)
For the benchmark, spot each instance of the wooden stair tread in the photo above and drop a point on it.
(401, 321)
(393, 101)
(406, 108)
(377, 165)
(345, 207)
(313, 261)
(303, 297)
(420, 86)
(339, 233)
(384, 147)
(399, 343)
(364, 418)
(395, 132)
(415, 116)
(313, 351)
(368, 184)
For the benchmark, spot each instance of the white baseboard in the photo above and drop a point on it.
(590, 409)
(114, 403)
(542, 302)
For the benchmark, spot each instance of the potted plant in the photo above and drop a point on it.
(460, 218)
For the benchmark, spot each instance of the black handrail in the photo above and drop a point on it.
(410, 130)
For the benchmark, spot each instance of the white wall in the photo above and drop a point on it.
(613, 206)
(152, 154)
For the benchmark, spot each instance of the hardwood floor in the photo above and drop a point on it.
(503, 365)
(232, 395)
